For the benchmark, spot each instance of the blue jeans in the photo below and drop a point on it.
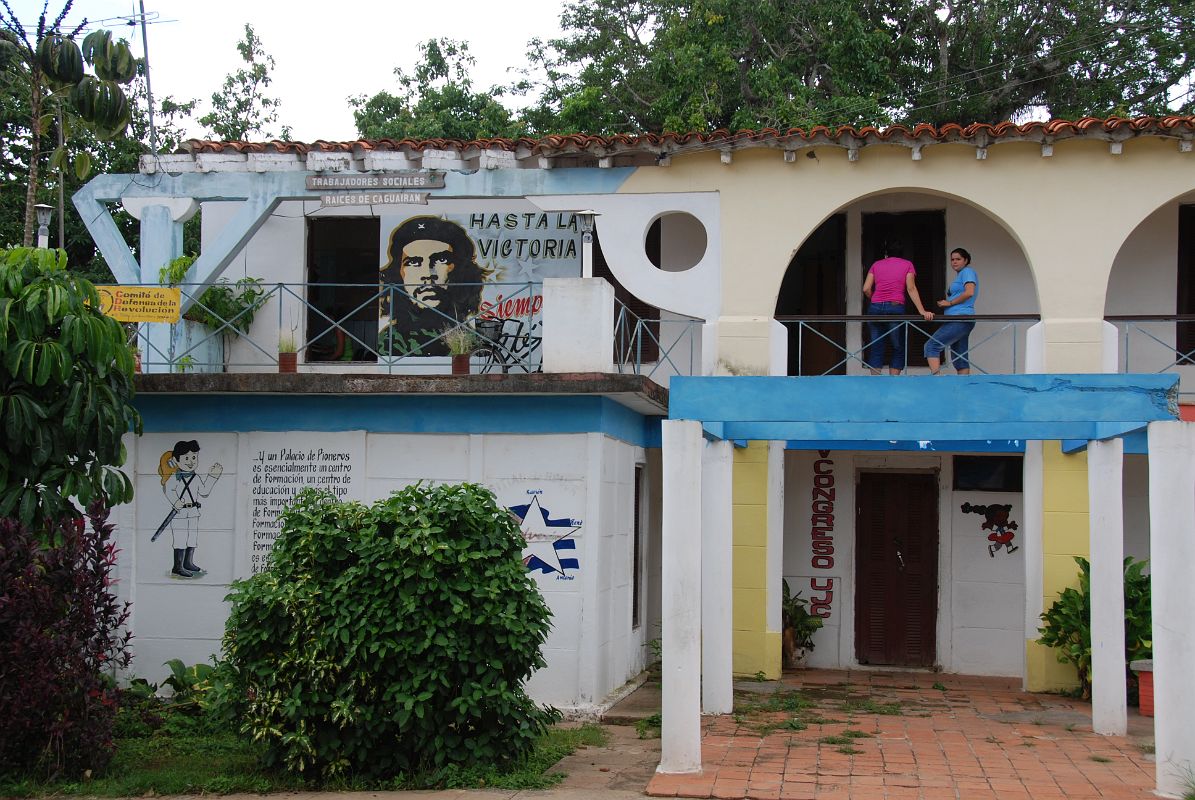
(955, 336)
(882, 335)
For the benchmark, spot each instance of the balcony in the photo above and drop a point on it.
(836, 345)
(348, 328)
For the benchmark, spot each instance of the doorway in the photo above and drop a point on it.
(919, 236)
(815, 286)
(896, 569)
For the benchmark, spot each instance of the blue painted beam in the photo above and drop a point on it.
(164, 413)
(922, 446)
(925, 408)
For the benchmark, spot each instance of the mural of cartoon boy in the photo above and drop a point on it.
(437, 283)
(183, 487)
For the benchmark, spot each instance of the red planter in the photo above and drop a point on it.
(288, 362)
(460, 364)
(1145, 685)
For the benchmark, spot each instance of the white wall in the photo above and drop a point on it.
(587, 479)
(980, 594)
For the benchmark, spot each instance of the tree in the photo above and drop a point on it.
(241, 108)
(655, 65)
(52, 67)
(66, 389)
(437, 101)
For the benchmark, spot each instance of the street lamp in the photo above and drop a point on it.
(588, 220)
(43, 224)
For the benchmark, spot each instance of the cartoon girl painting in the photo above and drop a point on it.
(183, 487)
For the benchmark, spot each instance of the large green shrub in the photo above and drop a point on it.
(66, 392)
(1067, 625)
(389, 638)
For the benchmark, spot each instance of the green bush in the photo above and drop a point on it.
(388, 639)
(1067, 625)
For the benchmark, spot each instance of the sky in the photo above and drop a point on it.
(321, 57)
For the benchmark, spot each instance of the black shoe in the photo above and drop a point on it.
(180, 571)
(191, 566)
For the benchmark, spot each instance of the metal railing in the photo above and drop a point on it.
(837, 344)
(655, 348)
(351, 328)
(1155, 343)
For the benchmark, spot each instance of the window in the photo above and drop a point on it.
(988, 473)
(342, 278)
(1185, 333)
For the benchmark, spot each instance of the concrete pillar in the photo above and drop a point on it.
(162, 221)
(680, 732)
(1172, 552)
(578, 325)
(1105, 463)
(1033, 555)
(717, 549)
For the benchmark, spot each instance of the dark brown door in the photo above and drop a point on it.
(1185, 331)
(921, 237)
(815, 285)
(896, 569)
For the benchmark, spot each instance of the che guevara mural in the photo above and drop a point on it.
(483, 267)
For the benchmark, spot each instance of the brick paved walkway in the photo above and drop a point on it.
(821, 734)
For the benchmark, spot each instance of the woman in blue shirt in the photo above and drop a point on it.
(960, 301)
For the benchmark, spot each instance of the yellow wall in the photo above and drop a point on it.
(756, 649)
(1064, 536)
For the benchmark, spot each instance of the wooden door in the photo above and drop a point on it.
(815, 285)
(921, 238)
(896, 569)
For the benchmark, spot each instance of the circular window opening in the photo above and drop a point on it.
(675, 241)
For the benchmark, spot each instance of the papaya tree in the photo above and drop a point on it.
(66, 390)
(54, 67)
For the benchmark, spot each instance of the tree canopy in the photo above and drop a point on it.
(625, 66)
(436, 101)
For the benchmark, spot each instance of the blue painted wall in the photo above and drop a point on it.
(398, 414)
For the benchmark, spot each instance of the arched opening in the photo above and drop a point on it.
(820, 300)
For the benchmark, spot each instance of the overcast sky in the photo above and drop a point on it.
(322, 56)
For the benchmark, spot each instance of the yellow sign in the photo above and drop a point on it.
(140, 303)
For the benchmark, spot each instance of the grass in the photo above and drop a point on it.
(649, 727)
(1100, 759)
(186, 757)
(870, 706)
(941, 687)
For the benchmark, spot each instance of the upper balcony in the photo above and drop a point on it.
(334, 328)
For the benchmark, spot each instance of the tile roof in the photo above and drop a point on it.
(1114, 129)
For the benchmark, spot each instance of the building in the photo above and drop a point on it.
(730, 272)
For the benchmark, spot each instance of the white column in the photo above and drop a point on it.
(578, 325)
(1032, 545)
(1105, 463)
(680, 732)
(1172, 554)
(717, 549)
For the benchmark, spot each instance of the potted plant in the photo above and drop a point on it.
(799, 626)
(224, 308)
(461, 341)
(288, 357)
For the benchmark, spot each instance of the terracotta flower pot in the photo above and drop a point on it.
(288, 362)
(1145, 685)
(460, 364)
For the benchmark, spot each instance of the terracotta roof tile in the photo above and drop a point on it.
(982, 134)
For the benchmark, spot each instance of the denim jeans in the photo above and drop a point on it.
(882, 335)
(954, 335)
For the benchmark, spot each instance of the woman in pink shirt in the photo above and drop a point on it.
(886, 285)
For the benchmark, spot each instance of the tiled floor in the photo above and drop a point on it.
(821, 734)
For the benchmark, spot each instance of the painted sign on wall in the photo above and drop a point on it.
(539, 527)
(280, 465)
(483, 266)
(821, 533)
(996, 520)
